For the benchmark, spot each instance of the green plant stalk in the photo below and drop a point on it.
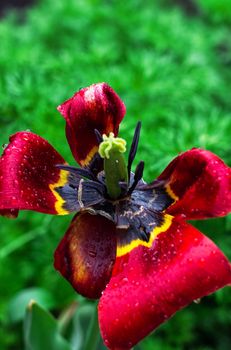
(93, 336)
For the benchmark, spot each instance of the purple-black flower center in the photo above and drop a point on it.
(138, 208)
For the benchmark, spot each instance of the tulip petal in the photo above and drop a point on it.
(199, 183)
(28, 176)
(9, 213)
(95, 107)
(86, 254)
(149, 285)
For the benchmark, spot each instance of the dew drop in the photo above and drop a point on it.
(92, 253)
(106, 342)
(125, 279)
(197, 301)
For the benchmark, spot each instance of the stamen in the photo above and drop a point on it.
(133, 148)
(98, 136)
(137, 176)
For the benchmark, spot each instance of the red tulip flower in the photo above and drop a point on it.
(129, 243)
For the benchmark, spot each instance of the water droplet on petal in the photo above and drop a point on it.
(106, 342)
(92, 253)
(125, 279)
(197, 301)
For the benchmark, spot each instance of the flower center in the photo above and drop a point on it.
(117, 172)
(117, 193)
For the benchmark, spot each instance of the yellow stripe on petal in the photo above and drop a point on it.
(89, 157)
(171, 194)
(63, 179)
(122, 250)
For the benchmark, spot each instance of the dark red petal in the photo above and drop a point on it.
(86, 254)
(149, 285)
(9, 213)
(95, 107)
(28, 176)
(200, 184)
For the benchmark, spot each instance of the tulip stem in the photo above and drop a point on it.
(92, 337)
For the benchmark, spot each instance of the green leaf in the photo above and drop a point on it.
(81, 321)
(17, 305)
(41, 330)
(85, 332)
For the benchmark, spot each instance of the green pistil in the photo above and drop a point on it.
(115, 168)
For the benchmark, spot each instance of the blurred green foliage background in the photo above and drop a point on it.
(170, 61)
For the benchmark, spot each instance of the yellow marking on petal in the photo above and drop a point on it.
(109, 127)
(80, 274)
(89, 157)
(63, 179)
(122, 250)
(171, 194)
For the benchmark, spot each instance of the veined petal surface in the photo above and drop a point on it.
(149, 285)
(95, 107)
(86, 254)
(200, 184)
(28, 176)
